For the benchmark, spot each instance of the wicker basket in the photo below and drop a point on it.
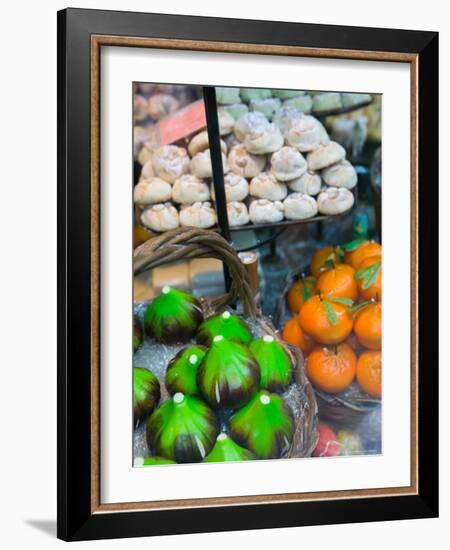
(345, 409)
(190, 243)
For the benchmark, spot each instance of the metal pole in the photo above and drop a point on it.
(212, 121)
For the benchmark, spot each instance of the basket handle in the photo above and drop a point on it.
(187, 243)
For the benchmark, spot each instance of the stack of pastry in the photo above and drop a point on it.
(174, 188)
(279, 163)
(293, 170)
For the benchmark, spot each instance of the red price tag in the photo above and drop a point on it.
(182, 123)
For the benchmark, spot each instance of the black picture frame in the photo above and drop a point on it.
(76, 521)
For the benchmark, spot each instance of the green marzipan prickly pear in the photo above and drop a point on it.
(265, 425)
(183, 429)
(227, 325)
(181, 373)
(274, 362)
(146, 393)
(226, 450)
(152, 461)
(173, 316)
(229, 375)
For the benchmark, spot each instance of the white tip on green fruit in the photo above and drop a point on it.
(165, 289)
(218, 338)
(226, 314)
(193, 359)
(265, 399)
(267, 338)
(222, 437)
(178, 398)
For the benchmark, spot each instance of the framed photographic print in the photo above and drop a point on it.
(247, 274)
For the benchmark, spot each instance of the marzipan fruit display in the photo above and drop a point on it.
(173, 317)
(228, 375)
(226, 450)
(183, 429)
(227, 325)
(274, 363)
(265, 425)
(181, 374)
(146, 393)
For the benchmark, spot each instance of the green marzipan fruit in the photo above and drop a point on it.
(227, 325)
(226, 450)
(137, 333)
(146, 393)
(274, 362)
(156, 461)
(173, 316)
(265, 425)
(229, 375)
(182, 429)
(181, 374)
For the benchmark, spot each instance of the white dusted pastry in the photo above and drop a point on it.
(243, 163)
(200, 214)
(298, 206)
(237, 213)
(236, 110)
(304, 134)
(269, 107)
(236, 188)
(226, 122)
(264, 211)
(253, 120)
(284, 118)
(335, 200)
(301, 102)
(265, 186)
(189, 189)
(170, 162)
(287, 94)
(161, 105)
(248, 94)
(352, 100)
(201, 164)
(152, 190)
(200, 142)
(231, 140)
(287, 164)
(147, 170)
(140, 136)
(227, 95)
(325, 155)
(145, 153)
(308, 183)
(328, 101)
(140, 107)
(161, 217)
(342, 174)
(266, 140)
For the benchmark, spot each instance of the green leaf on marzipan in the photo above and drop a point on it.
(306, 292)
(359, 306)
(330, 313)
(368, 275)
(352, 245)
(344, 301)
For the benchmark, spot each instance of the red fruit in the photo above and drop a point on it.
(327, 445)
